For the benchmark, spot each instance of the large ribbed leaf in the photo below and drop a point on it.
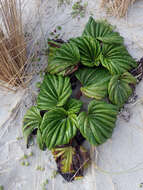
(58, 127)
(86, 76)
(116, 59)
(102, 31)
(119, 88)
(89, 50)
(95, 82)
(31, 121)
(97, 125)
(66, 57)
(73, 105)
(54, 91)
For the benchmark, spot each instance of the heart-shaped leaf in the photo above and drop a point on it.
(119, 88)
(89, 50)
(54, 91)
(58, 127)
(31, 121)
(65, 58)
(116, 59)
(97, 125)
(73, 105)
(95, 82)
(102, 31)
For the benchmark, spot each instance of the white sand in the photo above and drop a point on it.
(120, 160)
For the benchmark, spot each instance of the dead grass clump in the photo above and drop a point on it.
(117, 8)
(12, 44)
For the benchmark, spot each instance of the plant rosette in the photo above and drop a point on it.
(100, 62)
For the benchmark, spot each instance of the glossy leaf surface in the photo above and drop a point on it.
(89, 50)
(54, 92)
(119, 88)
(73, 105)
(31, 122)
(97, 125)
(102, 31)
(116, 59)
(66, 57)
(58, 127)
(95, 82)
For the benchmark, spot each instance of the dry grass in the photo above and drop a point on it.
(117, 8)
(12, 45)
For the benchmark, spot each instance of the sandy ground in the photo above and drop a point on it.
(120, 160)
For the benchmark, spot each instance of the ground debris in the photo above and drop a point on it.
(125, 114)
(71, 160)
(138, 72)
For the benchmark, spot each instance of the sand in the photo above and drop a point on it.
(119, 161)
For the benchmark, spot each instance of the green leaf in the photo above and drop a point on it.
(58, 127)
(65, 57)
(95, 82)
(89, 50)
(86, 75)
(97, 125)
(116, 59)
(52, 48)
(73, 106)
(102, 31)
(119, 88)
(31, 121)
(54, 92)
(40, 142)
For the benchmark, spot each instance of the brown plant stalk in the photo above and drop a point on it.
(117, 8)
(12, 44)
